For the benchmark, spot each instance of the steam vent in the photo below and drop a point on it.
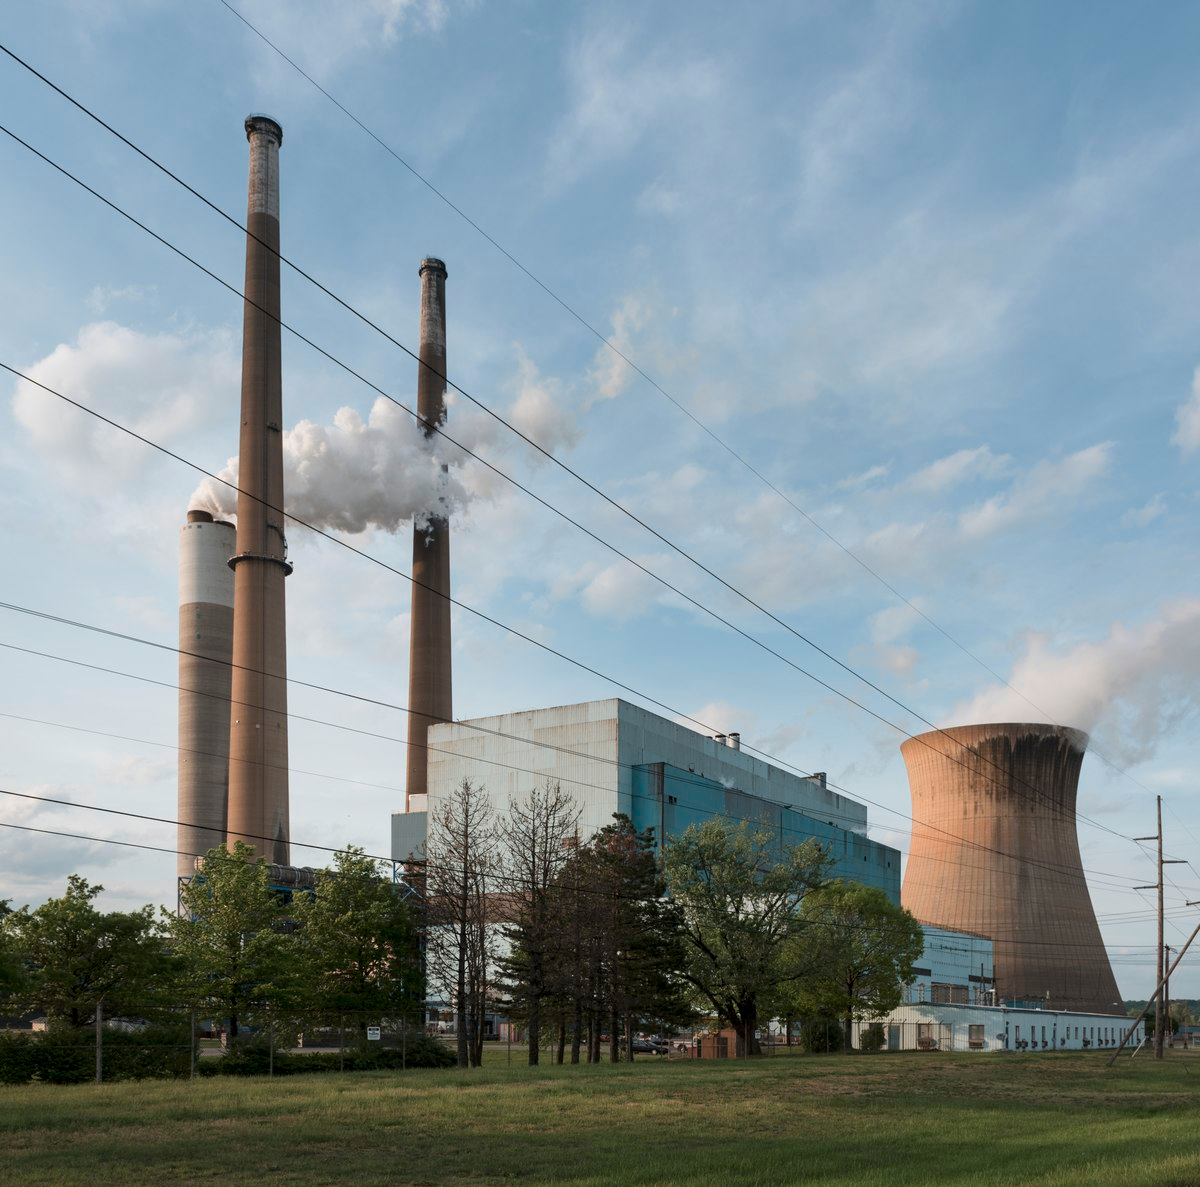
(994, 851)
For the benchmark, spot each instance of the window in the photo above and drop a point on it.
(945, 994)
(975, 1036)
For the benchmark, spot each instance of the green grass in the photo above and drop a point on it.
(1060, 1120)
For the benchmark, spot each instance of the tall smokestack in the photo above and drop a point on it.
(429, 677)
(994, 851)
(205, 651)
(258, 745)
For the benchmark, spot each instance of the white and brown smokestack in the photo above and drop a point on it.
(205, 652)
(258, 743)
(429, 673)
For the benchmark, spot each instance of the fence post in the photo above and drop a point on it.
(192, 1044)
(100, 1041)
(341, 1042)
(270, 1044)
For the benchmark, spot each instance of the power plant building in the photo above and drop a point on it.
(612, 756)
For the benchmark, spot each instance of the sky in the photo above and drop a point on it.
(909, 294)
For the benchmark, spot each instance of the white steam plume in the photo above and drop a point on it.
(1129, 689)
(354, 475)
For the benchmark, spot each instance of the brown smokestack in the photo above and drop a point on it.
(429, 679)
(258, 746)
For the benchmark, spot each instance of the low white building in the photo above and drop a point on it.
(935, 1027)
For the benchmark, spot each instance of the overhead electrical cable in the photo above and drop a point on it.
(812, 676)
(814, 812)
(611, 346)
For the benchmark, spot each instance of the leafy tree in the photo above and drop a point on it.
(461, 940)
(76, 956)
(857, 954)
(739, 899)
(616, 945)
(11, 970)
(536, 837)
(232, 953)
(358, 942)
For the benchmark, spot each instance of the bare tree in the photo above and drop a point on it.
(538, 835)
(461, 864)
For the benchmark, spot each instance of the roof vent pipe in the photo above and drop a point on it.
(735, 741)
(719, 739)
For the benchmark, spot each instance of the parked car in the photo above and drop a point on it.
(649, 1047)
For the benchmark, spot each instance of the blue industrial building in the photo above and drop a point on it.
(612, 756)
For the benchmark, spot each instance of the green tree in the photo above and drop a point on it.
(739, 898)
(535, 836)
(233, 956)
(857, 954)
(619, 950)
(12, 974)
(75, 956)
(358, 941)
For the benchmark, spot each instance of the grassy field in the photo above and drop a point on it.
(1056, 1120)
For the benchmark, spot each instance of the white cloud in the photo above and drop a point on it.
(1140, 517)
(1040, 491)
(610, 374)
(964, 466)
(1131, 687)
(617, 95)
(541, 410)
(1187, 419)
(866, 478)
(331, 33)
(159, 385)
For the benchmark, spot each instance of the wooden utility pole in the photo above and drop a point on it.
(1167, 994)
(1162, 973)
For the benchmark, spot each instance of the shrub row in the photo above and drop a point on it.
(69, 1056)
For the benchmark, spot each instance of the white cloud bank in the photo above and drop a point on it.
(1129, 688)
(1187, 419)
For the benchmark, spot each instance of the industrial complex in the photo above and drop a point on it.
(1013, 955)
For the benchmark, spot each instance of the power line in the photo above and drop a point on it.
(608, 344)
(529, 441)
(813, 813)
(494, 878)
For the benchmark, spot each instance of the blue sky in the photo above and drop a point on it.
(927, 267)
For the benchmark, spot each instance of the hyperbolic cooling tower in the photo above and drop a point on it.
(205, 651)
(994, 851)
(258, 742)
(429, 683)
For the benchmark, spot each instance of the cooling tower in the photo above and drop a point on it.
(994, 851)
(258, 743)
(205, 651)
(429, 685)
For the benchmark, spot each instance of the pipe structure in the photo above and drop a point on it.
(258, 741)
(430, 698)
(205, 654)
(995, 852)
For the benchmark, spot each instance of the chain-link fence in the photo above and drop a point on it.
(179, 1042)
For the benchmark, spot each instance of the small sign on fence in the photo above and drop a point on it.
(373, 1033)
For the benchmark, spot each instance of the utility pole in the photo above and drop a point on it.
(1160, 947)
(1167, 994)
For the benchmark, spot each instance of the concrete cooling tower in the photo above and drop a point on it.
(994, 851)
(205, 652)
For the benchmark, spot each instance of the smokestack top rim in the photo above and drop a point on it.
(257, 122)
(965, 735)
(198, 516)
(432, 264)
